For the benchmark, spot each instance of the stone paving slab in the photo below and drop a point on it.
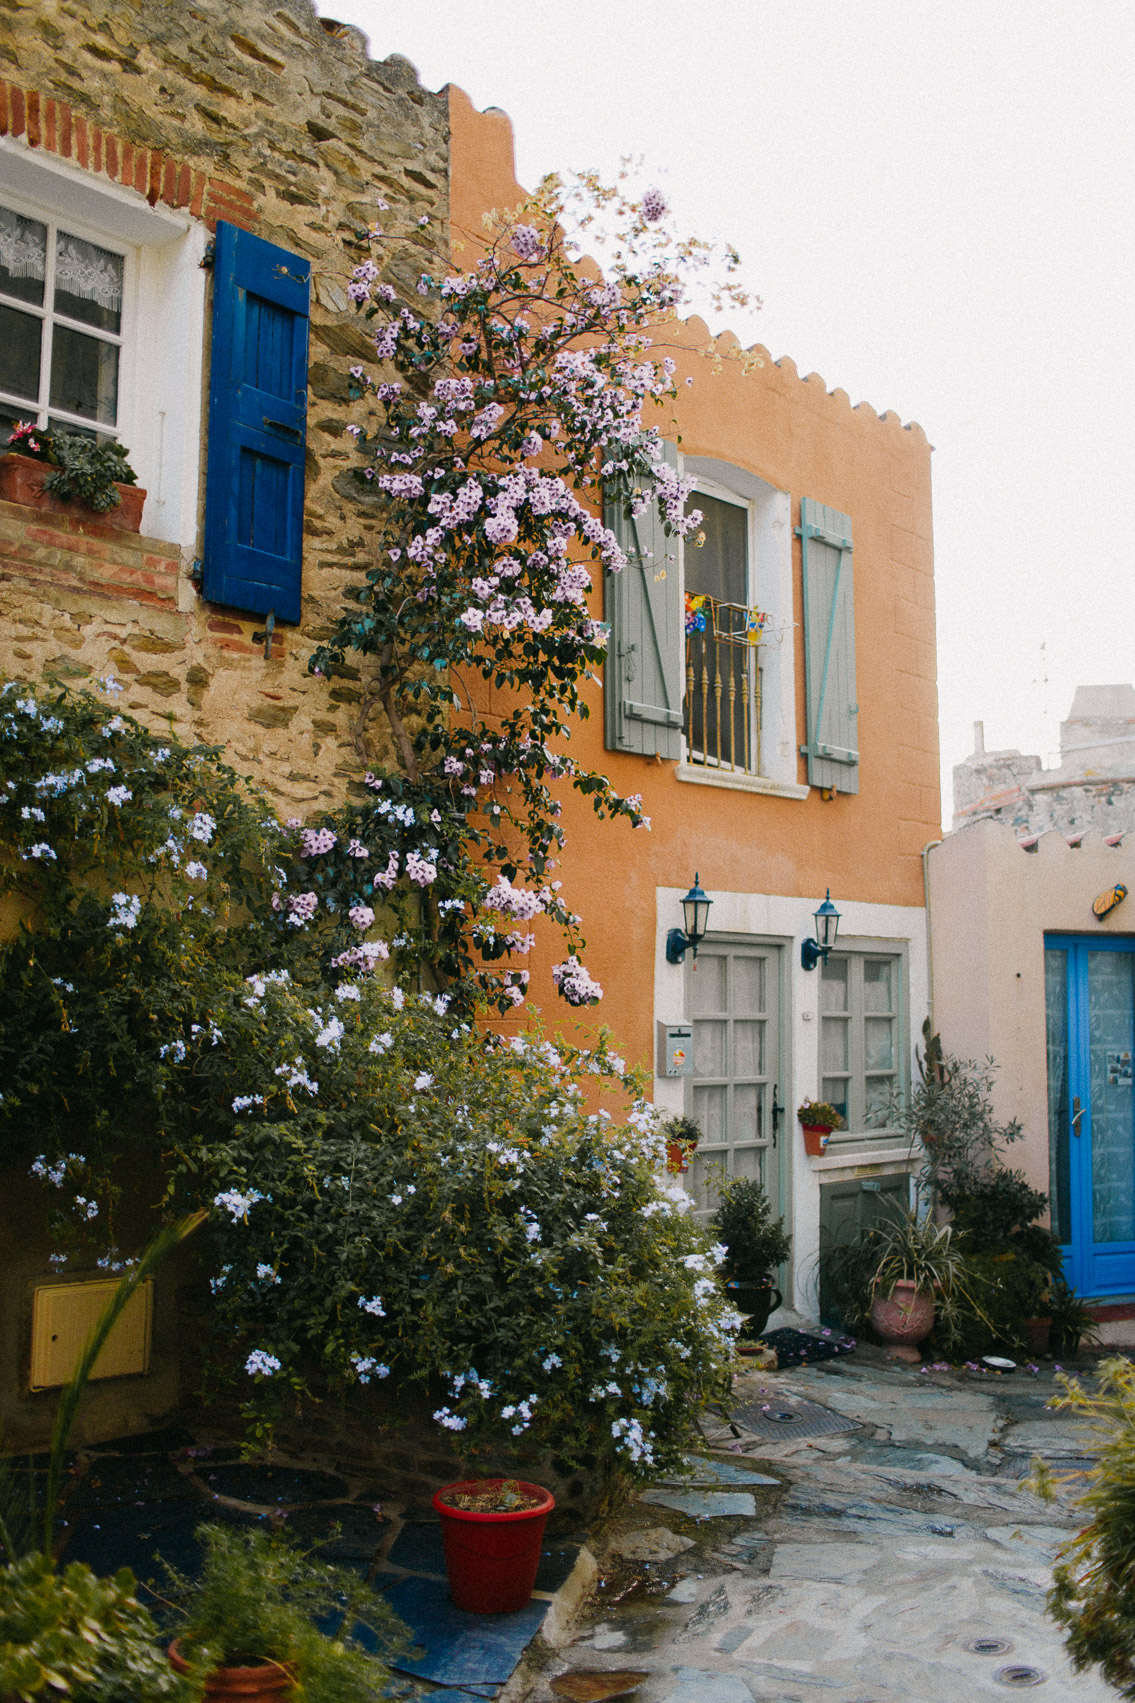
(887, 1555)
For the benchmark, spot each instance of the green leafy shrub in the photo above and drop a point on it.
(755, 1241)
(260, 1599)
(73, 1635)
(1093, 1596)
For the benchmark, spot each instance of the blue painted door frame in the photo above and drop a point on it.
(1092, 1108)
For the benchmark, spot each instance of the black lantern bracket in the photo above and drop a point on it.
(695, 907)
(827, 927)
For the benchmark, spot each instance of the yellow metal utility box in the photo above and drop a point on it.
(65, 1314)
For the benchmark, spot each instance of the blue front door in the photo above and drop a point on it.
(1090, 997)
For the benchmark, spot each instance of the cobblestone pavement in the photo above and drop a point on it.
(898, 1561)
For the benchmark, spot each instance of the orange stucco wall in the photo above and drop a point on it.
(798, 437)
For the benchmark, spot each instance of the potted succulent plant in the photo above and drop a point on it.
(818, 1119)
(70, 472)
(755, 1245)
(492, 1529)
(264, 1619)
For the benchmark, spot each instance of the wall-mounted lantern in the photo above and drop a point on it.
(695, 907)
(827, 927)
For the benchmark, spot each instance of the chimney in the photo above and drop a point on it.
(979, 739)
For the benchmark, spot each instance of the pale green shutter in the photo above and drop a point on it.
(642, 690)
(832, 749)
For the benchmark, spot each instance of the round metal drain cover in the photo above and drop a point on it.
(783, 1416)
(989, 1646)
(1019, 1676)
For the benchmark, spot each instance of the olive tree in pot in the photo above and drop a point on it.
(755, 1245)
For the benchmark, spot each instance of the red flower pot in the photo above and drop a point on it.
(270, 1680)
(21, 481)
(1037, 1332)
(816, 1139)
(491, 1559)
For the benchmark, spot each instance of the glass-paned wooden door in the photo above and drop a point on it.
(733, 1001)
(1090, 996)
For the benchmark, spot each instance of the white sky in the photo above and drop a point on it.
(934, 201)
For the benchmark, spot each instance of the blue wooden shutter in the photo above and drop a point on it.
(257, 426)
(832, 749)
(642, 691)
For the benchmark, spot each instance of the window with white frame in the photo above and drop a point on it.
(860, 1028)
(61, 326)
(738, 689)
(102, 324)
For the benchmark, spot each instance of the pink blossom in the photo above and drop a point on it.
(420, 870)
(361, 915)
(575, 984)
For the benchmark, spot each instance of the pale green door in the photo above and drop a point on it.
(733, 1001)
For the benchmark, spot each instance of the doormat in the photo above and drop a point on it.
(781, 1418)
(797, 1348)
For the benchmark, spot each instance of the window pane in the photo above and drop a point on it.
(834, 1091)
(880, 1090)
(707, 984)
(879, 1043)
(709, 1114)
(748, 1113)
(23, 257)
(719, 567)
(878, 984)
(834, 1043)
(21, 335)
(749, 1049)
(749, 984)
(833, 985)
(84, 375)
(88, 283)
(709, 1049)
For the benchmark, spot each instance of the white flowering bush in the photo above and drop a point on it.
(401, 1199)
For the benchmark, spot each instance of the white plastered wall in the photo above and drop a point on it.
(991, 903)
(787, 922)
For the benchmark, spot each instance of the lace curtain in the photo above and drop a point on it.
(23, 245)
(82, 269)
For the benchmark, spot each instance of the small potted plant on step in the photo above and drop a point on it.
(493, 1529)
(755, 1244)
(69, 472)
(264, 1619)
(818, 1120)
(682, 1137)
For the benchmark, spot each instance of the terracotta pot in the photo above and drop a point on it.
(678, 1156)
(267, 1679)
(904, 1319)
(816, 1139)
(21, 481)
(491, 1559)
(1036, 1335)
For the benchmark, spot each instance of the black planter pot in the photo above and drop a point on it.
(757, 1301)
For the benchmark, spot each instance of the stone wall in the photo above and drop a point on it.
(276, 120)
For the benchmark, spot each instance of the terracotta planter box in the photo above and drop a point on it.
(21, 481)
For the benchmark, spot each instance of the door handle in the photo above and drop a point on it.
(1077, 1114)
(776, 1111)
